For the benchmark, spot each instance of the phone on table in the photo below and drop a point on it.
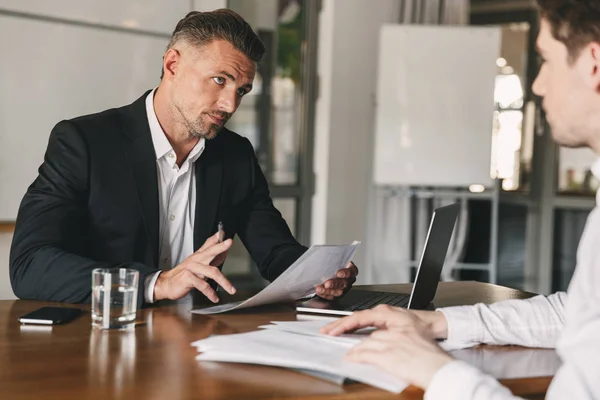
(50, 316)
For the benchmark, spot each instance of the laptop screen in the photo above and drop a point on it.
(434, 255)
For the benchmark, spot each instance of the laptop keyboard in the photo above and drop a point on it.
(392, 299)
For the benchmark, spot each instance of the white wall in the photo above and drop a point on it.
(260, 14)
(208, 5)
(5, 289)
(147, 15)
(348, 53)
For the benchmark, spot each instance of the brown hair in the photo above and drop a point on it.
(575, 23)
(201, 28)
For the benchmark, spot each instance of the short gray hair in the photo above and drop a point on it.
(201, 28)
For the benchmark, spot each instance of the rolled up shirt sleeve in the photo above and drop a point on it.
(535, 322)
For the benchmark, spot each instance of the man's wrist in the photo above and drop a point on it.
(438, 325)
(150, 287)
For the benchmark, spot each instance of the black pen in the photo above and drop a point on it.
(220, 238)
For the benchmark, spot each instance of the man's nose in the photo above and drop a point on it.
(228, 102)
(538, 85)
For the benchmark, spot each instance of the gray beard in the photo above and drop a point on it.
(209, 134)
(198, 130)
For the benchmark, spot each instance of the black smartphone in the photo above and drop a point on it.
(50, 316)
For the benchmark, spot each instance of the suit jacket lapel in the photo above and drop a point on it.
(142, 156)
(209, 177)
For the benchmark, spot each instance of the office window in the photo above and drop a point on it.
(512, 137)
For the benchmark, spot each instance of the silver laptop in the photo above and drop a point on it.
(426, 281)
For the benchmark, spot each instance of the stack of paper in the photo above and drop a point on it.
(322, 357)
(300, 346)
(313, 328)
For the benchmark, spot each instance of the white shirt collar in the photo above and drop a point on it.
(162, 147)
(596, 169)
(596, 172)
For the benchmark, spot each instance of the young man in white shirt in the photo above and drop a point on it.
(569, 83)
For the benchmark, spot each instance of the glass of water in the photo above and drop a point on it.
(114, 298)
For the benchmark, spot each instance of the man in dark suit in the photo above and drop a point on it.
(144, 186)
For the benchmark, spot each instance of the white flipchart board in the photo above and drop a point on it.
(435, 104)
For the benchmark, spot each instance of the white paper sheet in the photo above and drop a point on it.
(286, 349)
(315, 266)
(300, 346)
(311, 328)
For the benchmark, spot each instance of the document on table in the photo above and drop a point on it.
(274, 347)
(315, 266)
(312, 328)
(300, 346)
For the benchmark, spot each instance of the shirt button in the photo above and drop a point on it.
(171, 155)
(171, 217)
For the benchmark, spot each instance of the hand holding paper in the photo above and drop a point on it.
(338, 286)
(313, 268)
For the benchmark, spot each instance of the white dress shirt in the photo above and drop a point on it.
(572, 326)
(177, 200)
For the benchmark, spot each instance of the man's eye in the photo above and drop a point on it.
(218, 80)
(241, 92)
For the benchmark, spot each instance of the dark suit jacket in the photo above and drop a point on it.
(94, 204)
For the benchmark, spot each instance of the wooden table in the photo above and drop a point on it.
(156, 361)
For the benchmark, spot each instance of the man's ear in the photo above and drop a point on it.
(171, 61)
(589, 65)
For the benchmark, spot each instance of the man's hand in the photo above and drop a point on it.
(409, 353)
(193, 272)
(339, 285)
(388, 317)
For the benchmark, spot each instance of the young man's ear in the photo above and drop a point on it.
(589, 65)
